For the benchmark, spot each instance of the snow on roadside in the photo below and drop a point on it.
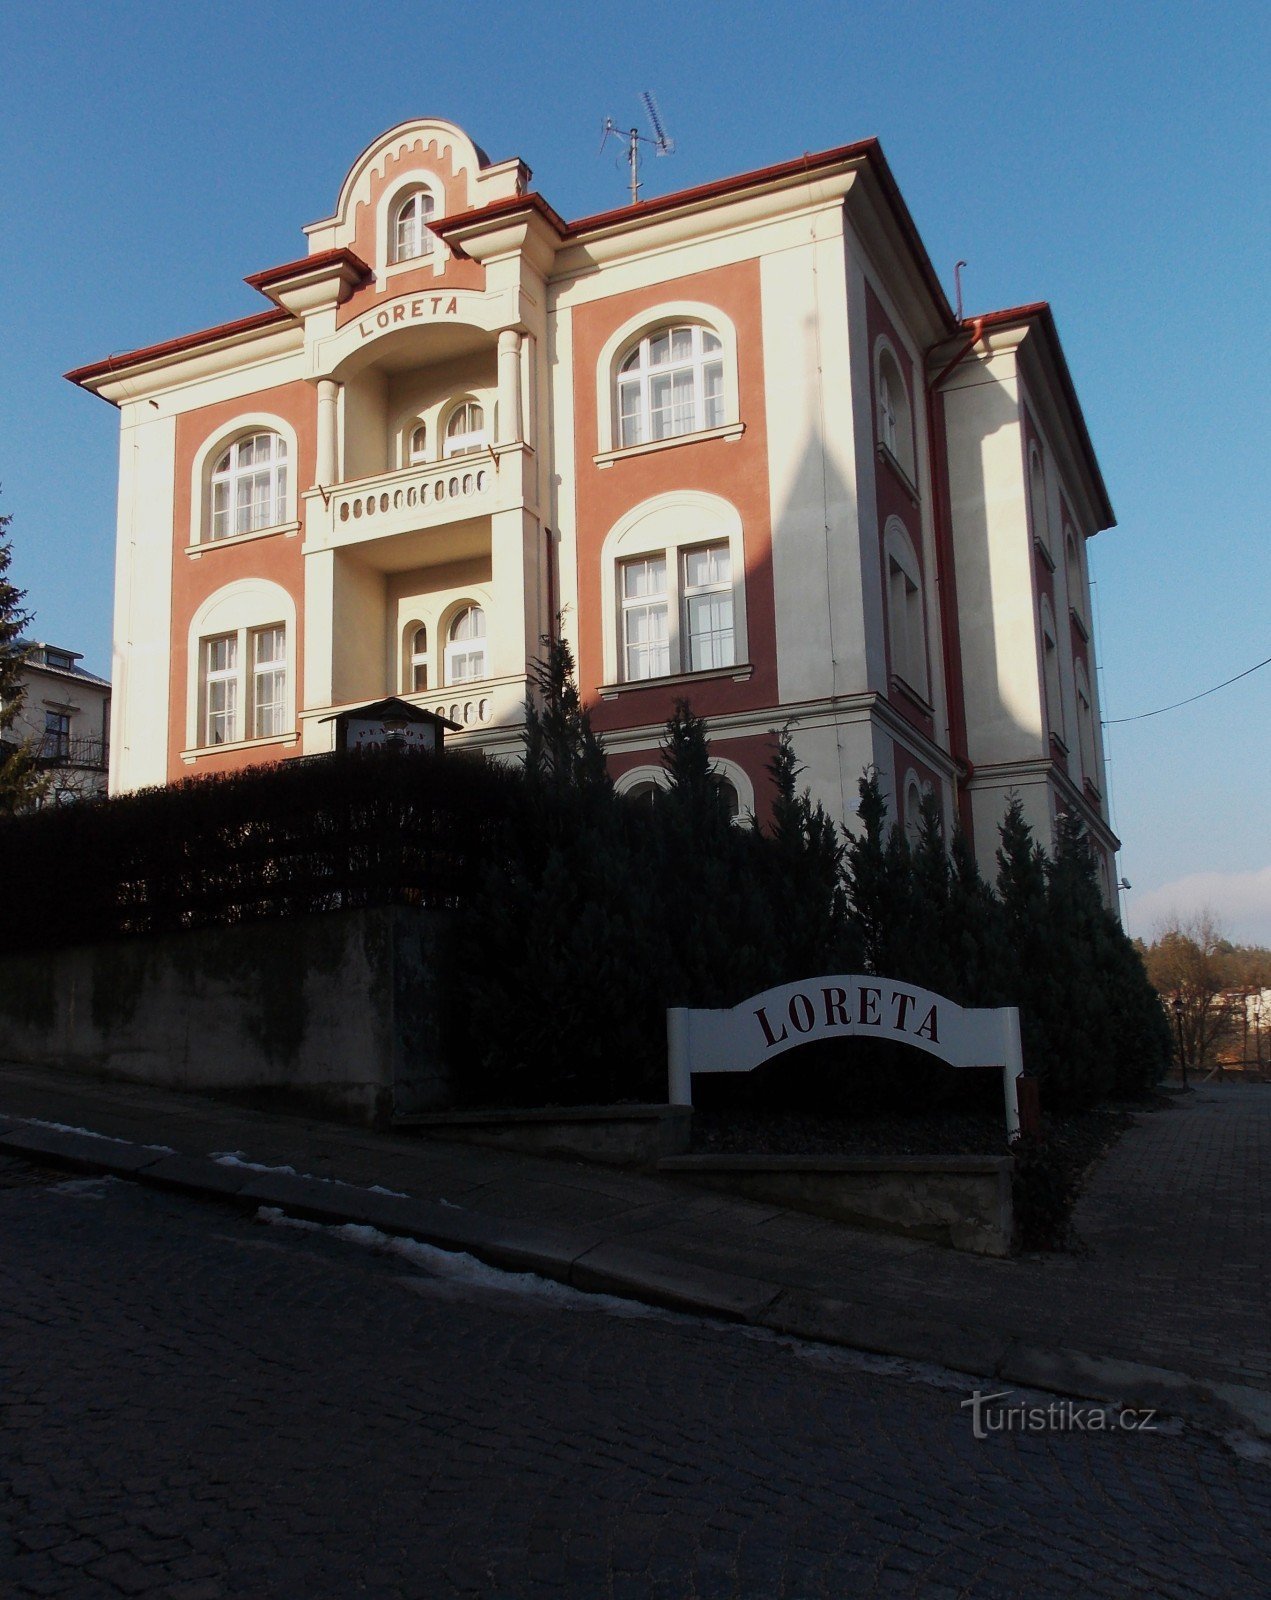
(456, 1267)
(238, 1158)
(89, 1133)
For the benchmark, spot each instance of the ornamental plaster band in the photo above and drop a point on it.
(769, 1024)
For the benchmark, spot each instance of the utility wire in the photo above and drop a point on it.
(1143, 715)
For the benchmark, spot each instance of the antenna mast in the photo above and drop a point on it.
(633, 139)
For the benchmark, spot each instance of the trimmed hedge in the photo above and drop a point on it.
(318, 834)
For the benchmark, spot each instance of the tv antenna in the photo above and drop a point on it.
(633, 139)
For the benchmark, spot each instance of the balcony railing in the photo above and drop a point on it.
(60, 750)
(425, 496)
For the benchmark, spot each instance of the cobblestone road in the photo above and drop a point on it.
(198, 1406)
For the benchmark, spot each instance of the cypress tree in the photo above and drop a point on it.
(804, 860)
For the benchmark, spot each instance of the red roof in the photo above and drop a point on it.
(172, 347)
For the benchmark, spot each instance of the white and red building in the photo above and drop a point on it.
(735, 436)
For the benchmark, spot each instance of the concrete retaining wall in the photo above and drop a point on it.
(964, 1201)
(334, 1012)
(624, 1136)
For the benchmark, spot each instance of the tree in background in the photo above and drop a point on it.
(1186, 963)
(21, 782)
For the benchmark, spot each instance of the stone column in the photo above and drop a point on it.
(509, 387)
(328, 413)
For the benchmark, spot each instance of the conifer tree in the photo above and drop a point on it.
(561, 748)
(804, 861)
(21, 782)
(878, 882)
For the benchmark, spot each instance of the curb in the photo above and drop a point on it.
(589, 1261)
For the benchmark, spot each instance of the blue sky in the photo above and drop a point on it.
(1107, 157)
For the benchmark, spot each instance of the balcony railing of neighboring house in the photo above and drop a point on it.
(61, 750)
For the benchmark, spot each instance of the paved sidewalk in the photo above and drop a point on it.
(1169, 1305)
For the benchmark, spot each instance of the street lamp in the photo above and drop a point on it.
(1178, 1022)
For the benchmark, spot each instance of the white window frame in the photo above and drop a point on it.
(1086, 741)
(671, 526)
(230, 475)
(636, 778)
(906, 612)
(1038, 501)
(473, 440)
(458, 649)
(415, 455)
(894, 412)
(410, 236)
(1053, 710)
(413, 658)
(242, 679)
(641, 611)
(203, 468)
(242, 611)
(388, 208)
(1075, 576)
(637, 374)
(627, 336)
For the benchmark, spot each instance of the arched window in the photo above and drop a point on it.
(411, 235)
(913, 812)
(895, 418)
(465, 647)
(465, 431)
(1050, 672)
(417, 445)
(1037, 502)
(671, 382)
(1076, 589)
(418, 675)
(1085, 729)
(249, 485)
(906, 625)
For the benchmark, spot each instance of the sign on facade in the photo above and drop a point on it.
(769, 1024)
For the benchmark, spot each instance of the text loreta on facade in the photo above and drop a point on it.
(734, 437)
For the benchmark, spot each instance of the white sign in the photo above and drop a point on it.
(769, 1024)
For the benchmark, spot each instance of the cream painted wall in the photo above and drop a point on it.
(812, 487)
(993, 549)
(359, 614)
(141, 654)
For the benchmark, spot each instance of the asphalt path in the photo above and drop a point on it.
(200, 1405)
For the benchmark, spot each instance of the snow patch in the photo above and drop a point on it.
(456, 1267)
(84, 1188)
(89, 1133)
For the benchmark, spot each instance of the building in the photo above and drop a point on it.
(734, 436)
(64, 716)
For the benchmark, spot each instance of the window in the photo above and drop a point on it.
(57, 735)
(221, 689)
(59, 658)
(1037, 502)
(708, 607)
(417, 445)
(645, 638)
(237, 707)
(269, 682)
(417, 678)
(249, 486)
(465, 431)
(906, 628)
(411, 235)
(895, 425)
(1085, 730)
(1050, 673)
(671, 383)
(465, 651)
(706, 636)
(1076, 589)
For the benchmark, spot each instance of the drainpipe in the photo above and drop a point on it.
(942, 523)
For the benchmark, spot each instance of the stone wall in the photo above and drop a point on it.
(335, 1012)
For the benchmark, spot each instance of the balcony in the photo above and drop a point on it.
(435, 494)
(60, 750)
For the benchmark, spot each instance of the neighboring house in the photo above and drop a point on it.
(65, 716)
(735, 436)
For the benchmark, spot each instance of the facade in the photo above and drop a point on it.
(735, 437)
(65, 716)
